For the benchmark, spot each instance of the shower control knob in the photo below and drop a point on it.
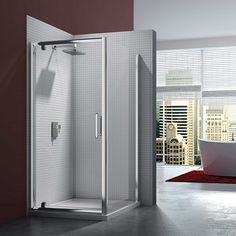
(55, 130)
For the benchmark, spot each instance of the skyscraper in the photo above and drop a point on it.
(180, 113)
(216, 123)
(232, 131)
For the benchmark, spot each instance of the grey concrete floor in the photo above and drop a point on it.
(182, 209)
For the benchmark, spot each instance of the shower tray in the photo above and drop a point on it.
(89, 209)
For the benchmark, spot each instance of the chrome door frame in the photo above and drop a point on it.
(31, 132)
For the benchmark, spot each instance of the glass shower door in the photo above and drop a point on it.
(68, 100)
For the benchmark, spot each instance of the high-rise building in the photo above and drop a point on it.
(180, 113)
(232, 131)
(216, 123)
(173, 146)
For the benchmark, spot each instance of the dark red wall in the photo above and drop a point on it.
(73, 16)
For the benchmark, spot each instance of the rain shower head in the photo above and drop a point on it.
(73, 51)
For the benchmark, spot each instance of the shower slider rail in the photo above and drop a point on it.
(43, 44)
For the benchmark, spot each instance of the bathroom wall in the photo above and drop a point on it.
(184, 19)
(179, 26)
(76, 17)
(122, 50)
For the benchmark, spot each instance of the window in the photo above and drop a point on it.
(196, 93)
(178, 93)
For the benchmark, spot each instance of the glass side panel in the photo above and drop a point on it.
(88, 123)
(121, 128)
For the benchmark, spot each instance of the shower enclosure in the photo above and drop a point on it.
(82, 161)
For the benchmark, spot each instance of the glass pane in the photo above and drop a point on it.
(219, 70)
(87, 87)
(53, 164)
(121, 128)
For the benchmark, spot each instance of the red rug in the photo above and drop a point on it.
(198, 176)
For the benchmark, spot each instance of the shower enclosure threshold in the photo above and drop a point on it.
(79, 204)
(89, 209)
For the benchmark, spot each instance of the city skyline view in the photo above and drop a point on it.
(192, 114)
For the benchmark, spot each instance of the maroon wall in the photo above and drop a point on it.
(73, 16)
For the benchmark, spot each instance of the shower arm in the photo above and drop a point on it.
(43, 44)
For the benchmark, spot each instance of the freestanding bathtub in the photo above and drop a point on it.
(218, 157)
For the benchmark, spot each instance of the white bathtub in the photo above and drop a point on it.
(218, 157)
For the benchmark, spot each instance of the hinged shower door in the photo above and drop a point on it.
(68, 126)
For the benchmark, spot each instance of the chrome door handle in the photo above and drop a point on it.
(98, 122)
(96, 125)
(100, 127)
